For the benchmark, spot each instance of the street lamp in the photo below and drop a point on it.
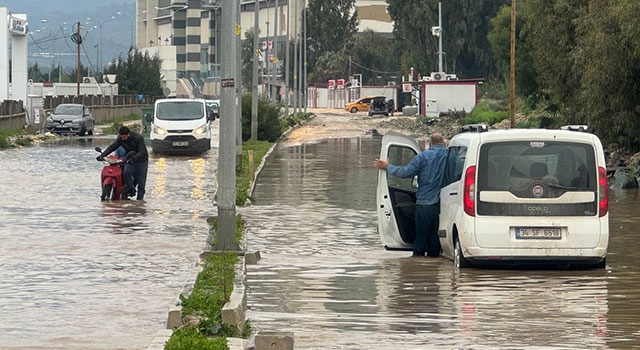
(100, 24)
(132, 26)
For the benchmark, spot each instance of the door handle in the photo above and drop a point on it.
(453, 193)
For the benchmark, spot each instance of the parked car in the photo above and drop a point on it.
(214, 108)
(518, 196)
(361, 105)
(70, 118)
(380, 105)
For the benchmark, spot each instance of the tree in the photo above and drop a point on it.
(35, 74)
(330, 24)
(465, 24)
(499, 36)
(138, 75)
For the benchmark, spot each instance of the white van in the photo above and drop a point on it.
(180, 125)
(508, 197)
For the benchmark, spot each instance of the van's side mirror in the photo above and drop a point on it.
(148, 117)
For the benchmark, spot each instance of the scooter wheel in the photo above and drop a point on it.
(107, 192)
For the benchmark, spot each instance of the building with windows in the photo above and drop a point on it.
(184, 35)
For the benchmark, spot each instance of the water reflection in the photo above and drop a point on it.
(325, 277)
(79, 273)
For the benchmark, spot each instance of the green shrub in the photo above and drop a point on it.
(5, 136)
(294, 119)
(23, 141)
(485, 113)
(118, 122)
(190, 338)
(269, 127)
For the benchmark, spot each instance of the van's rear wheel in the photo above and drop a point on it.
(459, 260)
(601, 265)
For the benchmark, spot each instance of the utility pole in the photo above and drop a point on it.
(78, 40)
(226, 194)
(276, 32)
(304, 75)
(266, 54)
(254, 90)
(295, 57)
(512, 69)
(286, 69)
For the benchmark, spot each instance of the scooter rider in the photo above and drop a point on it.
(137, 160)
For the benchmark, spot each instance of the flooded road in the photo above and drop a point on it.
(325, 277)
(78, 273)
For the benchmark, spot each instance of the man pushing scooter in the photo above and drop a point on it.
(137, 161)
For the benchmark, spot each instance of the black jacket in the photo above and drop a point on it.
(135, 143)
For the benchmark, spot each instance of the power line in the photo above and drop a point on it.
(372, 70)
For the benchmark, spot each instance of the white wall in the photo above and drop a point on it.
(449, 97)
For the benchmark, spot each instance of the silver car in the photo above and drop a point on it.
(70, 118)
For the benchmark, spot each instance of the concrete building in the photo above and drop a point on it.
(184, 34)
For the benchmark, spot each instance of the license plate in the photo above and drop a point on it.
(538, 233)
(181, 144)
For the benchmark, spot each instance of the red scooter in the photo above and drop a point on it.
(111, 177)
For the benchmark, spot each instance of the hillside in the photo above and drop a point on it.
(51, 22)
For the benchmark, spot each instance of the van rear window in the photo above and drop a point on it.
(537, 169)
(180, 110)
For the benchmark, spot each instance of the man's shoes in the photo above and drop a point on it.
(415, 255)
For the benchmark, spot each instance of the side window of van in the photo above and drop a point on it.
(456, 156)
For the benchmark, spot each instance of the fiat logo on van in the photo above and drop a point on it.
(537, 190)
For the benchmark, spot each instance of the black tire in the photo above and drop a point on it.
(459, 260)
(90, 132)
(353, 110)
(107, 192)
(602, 264)
(82, 131)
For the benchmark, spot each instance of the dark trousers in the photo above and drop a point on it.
(135, 174)
(427, 221)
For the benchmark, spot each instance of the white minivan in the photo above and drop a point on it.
(180, 125)
(517, 196)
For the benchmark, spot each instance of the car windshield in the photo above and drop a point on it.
(180, 110)
(68, 109)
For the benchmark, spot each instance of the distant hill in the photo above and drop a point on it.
(51, 22)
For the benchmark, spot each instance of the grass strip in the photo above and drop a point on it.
(214, 284)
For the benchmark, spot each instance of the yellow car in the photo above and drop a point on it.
(361, 105)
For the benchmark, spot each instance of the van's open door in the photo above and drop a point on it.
(396, 197)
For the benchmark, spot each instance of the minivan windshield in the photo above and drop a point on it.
(180, 110)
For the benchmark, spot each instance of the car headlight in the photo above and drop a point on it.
(76, 121)
(158, 130)
(200, 130)
(49, 119)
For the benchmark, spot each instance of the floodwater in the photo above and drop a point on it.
(78, 273)
(325, 277)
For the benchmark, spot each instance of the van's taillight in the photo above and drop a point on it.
(603, 192)
(470, 191)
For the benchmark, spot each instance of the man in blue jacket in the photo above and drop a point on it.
(429, 167)
(137, 161)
